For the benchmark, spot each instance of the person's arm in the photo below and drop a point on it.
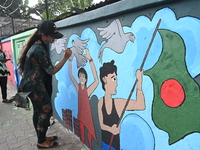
(140, 96)
(93, 86)
(57, 67)
(139, 103)
(4, 60)
(70, 74)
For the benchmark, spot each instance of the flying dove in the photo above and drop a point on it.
(58, 45)
(116, 38)
(77, 51)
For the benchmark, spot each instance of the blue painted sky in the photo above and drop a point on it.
(129, 61)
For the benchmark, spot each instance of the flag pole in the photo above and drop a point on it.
(134, 85)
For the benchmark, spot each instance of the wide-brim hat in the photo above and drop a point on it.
(49, 28)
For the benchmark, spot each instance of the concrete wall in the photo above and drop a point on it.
(124, 32)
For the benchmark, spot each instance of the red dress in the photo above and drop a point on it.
(84, 111)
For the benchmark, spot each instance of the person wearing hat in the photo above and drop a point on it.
(34, 67)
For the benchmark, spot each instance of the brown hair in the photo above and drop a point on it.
(34, 37)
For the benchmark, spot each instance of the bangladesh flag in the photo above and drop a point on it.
(176, 104)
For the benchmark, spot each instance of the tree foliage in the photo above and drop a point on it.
(55, 9)
(10, 8)
(58, 9)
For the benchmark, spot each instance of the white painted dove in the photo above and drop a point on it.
(58, 45)
(116, 38)
(77, 51)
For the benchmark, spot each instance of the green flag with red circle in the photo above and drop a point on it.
(176, 103)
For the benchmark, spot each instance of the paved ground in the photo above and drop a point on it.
(17, 132)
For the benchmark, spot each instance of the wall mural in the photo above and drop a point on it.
(138, 89)
(6, 47)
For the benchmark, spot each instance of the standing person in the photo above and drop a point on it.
(110, 109)
(4, 72)
(34, 65)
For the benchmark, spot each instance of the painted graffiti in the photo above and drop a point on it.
(95, 85)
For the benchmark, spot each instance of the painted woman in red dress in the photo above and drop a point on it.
(84, 92)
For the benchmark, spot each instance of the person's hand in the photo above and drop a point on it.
(115, 129)
(139, 74)
(71, 58)
(70, 62)
(87, 55)
(68, 53)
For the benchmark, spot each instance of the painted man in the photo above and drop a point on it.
(110, 109)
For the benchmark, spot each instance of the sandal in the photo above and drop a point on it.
(55, 144)
(6, 101)
(54, 138)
